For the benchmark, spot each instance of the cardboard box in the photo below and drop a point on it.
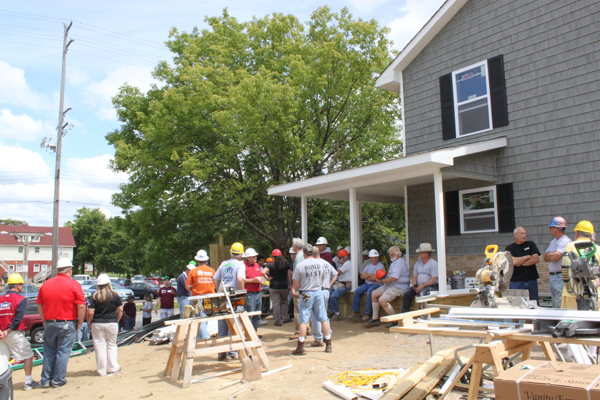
(545, 380)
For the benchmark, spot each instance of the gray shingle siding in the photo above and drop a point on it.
(552, 69)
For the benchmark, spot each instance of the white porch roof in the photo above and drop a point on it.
(384, 182)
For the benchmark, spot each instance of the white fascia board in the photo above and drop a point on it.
(390, 81)
(509, 313)
(471, 148)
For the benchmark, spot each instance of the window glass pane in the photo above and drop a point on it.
(471, 83)
(473, 117)
(484, 221)
(478, 200)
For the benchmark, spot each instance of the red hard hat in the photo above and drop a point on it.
(276, 253)
(380, 273)
(343, 253)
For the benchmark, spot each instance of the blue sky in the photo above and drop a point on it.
(115, 42)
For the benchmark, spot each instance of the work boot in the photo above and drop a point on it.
(356, 316)
(317, 344)
(299, 350)
(372, 322)
(222, 357)
(366, 317)
(391, 324)
(336, 317)
(328, 348)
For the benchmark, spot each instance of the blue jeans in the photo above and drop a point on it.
(83, 334)
(183, 301)
(317, 328)
(58, 344)
(129, 323)
(556, 288)
(532, 286)
(203, 331)
(334, 300)
(254, 303)
(368, 289)
(314, 305)
(224, 331)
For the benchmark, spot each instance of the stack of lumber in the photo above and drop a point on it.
(420, 380)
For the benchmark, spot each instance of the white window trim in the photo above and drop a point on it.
(489, 101)
(36, 267)
(44, 267)
(481, 189)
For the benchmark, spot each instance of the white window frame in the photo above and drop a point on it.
(44, 267)
(19, 268)
(454, 93)
(462, 213)
(36, 267)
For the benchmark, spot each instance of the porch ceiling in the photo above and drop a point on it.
(384, 182)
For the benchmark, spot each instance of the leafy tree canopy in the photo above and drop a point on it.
(245, 106)
(9, 221)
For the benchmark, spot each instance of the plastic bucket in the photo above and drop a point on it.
(457, 281)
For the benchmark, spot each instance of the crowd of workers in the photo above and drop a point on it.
(306, 289)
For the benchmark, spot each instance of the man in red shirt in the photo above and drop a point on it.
(253, 285)
(12, 337)
(166, 299)
(61, 306)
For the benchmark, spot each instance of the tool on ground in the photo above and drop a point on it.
(579, 270)
(250, 364)
(494, 275)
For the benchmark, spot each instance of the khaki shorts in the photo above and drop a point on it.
(16, 344)
(388, 293)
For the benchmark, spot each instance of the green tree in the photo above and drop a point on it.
(117, 250)
(86, 227)
(245, 106)
(9, 221)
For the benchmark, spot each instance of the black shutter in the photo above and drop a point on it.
(447, 103)
(452, 205)
(498, 91)
(506, 208)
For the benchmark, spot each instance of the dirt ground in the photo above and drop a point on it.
(354, 347)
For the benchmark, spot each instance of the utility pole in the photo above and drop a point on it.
(59, 129)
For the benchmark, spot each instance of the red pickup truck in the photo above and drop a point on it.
(34, 326)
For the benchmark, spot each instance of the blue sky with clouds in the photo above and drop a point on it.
(115, 42)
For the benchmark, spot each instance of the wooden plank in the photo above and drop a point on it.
(480, 389)
(410, 314)
(223, 348)
(548, 352)
(176, 339)
(251, 333)
(206, 319)
(406, 384)
(422, 389)
(188, 359)
(180, 337)
(476, 372)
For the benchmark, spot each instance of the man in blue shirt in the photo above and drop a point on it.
(182, 292)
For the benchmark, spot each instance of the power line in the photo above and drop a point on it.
(118, 53)
(110, 59)
(31, 44)
(28, 27)
(120, 35)
(30, 35)
(102, 43)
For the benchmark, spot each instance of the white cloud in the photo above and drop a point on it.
(15, 90)
(23, 127)
(27, 186)
(414, 14)
(366, 5)
(98, 94)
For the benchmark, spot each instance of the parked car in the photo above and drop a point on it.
(123, 293)
(33, 324)
(124, 282)
(156, 281)
(82, 278)
(87, 284)
(29, 291)
(140, 289)
(138, 278)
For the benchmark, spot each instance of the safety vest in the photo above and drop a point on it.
(8, 308)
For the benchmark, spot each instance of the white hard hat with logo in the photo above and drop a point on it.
(103, 279)
(63, 263)
(373, 253)
(201, 256)
(250, 252)
(321, 240)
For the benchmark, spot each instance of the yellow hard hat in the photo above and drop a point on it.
(14, 279)
(237, 248)
(585, 226)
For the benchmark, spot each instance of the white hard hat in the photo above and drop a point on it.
(292, 250)
(321, 240)
(63, 263)
(348, 250)
(103, 279)
(250, 252)
(201, 256)
(373, 253)
(339, 248)
(365, 252)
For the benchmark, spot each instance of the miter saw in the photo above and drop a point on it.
(579, 270)
(216, 303)
(493, 278)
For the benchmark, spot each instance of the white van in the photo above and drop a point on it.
(82, 278)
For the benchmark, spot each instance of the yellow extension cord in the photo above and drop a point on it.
(364, 380)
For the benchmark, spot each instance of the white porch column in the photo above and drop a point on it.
(355, 236)
(406, 241)
(360, 232)
(440, 231)
(304, 218)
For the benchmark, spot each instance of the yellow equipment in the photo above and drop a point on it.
(494, 275)
(14, 279)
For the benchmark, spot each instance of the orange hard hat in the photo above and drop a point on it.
(269, 259)
(276, 253)
(380, 273)
(343, 253)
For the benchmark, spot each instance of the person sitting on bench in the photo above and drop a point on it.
(425, 276)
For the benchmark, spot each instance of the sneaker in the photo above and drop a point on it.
(356, 316)
(232, 356)
(262, 322)
(336, 317)
(330, 314)
(366, 317)
(56, 385)
(391, 324)
(45, 385)
(222, 357)
(32, 385)
(288, 321)
(372, 322)
(277, 324)
(114, 372)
